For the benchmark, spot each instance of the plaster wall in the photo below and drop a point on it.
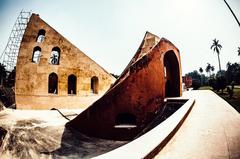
(32, 78)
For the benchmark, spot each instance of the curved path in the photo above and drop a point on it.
(212, 130)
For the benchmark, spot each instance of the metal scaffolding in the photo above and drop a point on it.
(11, 51)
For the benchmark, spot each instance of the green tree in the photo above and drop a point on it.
(208, 69)
(229, 74)
(196, 78)
(216, 48)
(3, 73)
(195, 75)
(11, 78)
(233, 72)
(212, 68)
(201, 71)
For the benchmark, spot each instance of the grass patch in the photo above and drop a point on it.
(234, 101)
(205, 88)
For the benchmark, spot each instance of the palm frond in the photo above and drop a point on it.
(212, 46)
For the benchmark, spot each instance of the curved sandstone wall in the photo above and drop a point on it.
(137, 95)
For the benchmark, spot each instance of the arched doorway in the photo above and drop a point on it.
(72, 83)
(125, 120)
(53, 83)
(171, 75)
(94, 85)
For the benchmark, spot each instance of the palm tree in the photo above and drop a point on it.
(201, 71)
(228, 64)
(217, 47)
(212, 68)
(229, 72)
(238, 51)
(232, 12)
(208, 69)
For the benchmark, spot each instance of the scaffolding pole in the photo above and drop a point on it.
(10, 53)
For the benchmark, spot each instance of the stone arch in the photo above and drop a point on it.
(72, 84)
(94, 84)
(53, 83)
(41, 35)
(171, 74)
(55, 56)
(36, 54)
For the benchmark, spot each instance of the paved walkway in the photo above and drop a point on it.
(237, 86)
(212, 130)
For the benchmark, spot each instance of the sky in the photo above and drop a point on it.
(110, 31)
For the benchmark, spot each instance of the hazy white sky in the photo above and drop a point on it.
(110, 31)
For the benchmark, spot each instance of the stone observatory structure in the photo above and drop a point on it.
(52, 72)
(153, 74)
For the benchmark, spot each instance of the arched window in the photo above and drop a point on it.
(55, 56)
(72, 83)
(125, 120)
(36, 54)
(53, 83)
(94, 85)
(41, 35)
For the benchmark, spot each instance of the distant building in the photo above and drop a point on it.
(52, 72)
(187, 80)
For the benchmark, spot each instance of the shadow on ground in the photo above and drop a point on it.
(76, 145)
(33, 138)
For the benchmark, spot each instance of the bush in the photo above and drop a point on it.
(213, 83)
(196, 84)
(218, 83)
(221, 83)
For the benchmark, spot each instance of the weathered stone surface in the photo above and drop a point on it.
(3, 133)
(42, 134)
(153, 74)
(1, 106)
(32, 78)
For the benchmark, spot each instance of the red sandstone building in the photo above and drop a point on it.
(187, 80)
(153, 74)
